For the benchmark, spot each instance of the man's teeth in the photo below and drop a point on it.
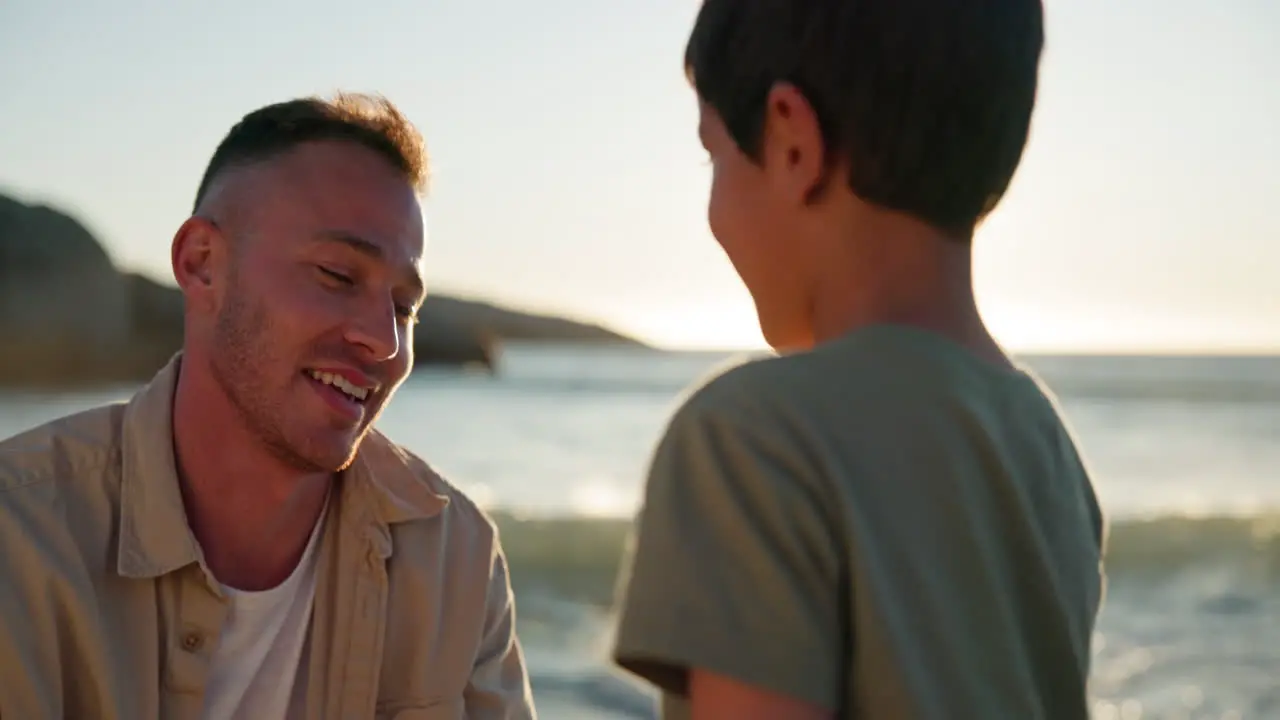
(341, 383)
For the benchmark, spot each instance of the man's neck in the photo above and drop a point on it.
(906, 275)
(251, 513)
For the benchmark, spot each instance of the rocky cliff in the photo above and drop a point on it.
(69, 316)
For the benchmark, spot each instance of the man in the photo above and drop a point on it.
(236, 540)
(888, 519)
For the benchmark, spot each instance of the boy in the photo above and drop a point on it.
(888, 519)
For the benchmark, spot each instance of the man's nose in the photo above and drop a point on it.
(376, 330)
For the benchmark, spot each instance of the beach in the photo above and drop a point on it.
(1184, 453)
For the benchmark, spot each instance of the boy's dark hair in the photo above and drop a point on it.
(928, 101)
(370, 120)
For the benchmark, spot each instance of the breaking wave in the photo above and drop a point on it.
(577, 559)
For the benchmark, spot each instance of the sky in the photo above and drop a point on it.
(567, 176)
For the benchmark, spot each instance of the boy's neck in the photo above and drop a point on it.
(902, 274)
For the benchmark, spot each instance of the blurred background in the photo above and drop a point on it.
(577, 290)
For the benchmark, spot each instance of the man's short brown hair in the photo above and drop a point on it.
(928, 102)
(369, 120)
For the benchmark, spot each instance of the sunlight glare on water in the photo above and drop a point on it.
(601, 498)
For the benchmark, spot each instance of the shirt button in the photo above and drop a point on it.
(192, 641)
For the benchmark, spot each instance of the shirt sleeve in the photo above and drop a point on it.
(734, 566)
(499, 685)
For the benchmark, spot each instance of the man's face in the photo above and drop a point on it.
(315, 326)
(755, 218)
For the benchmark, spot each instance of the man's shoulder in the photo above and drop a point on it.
(81, 442)
(57, 498)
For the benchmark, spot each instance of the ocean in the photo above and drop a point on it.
(1185, 454)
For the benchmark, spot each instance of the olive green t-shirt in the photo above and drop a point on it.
(886, 526)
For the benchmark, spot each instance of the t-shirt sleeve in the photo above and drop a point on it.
(734, 567)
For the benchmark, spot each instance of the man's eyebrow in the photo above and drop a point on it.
(370, 249)
(355, 242)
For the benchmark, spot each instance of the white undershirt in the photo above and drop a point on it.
(254, 672)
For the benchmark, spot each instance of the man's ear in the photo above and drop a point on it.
(793, 148)
(199, 257)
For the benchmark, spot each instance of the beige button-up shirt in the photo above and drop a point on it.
(108, 612)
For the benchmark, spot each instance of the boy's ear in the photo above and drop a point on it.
(793, 148)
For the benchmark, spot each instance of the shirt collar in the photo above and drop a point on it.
(155, 537)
